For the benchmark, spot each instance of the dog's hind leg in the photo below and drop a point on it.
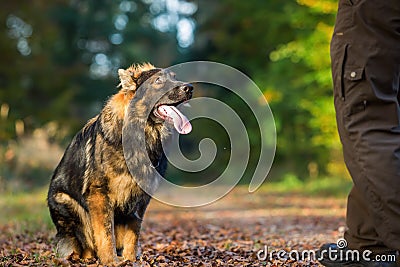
(73, 225)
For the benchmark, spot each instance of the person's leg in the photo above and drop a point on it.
(366, 71)
(369, 115)
(362, 232)
(359, 220)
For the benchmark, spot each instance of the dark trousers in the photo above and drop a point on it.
(365, 53)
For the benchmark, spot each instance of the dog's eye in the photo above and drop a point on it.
(159, 80)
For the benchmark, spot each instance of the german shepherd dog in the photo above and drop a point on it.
(96, 203)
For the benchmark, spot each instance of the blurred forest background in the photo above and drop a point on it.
(60, 59)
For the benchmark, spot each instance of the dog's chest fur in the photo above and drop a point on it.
(106, 166)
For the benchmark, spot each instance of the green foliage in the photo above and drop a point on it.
(284, 47)
(306, 89)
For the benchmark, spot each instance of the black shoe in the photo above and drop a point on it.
(331, 255)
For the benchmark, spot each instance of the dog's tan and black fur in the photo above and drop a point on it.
(94, 200)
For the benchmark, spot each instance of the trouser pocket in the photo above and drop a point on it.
(349, 81)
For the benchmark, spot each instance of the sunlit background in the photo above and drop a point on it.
(59, 62)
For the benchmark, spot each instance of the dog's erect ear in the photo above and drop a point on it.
(130, 76)
(125, 76)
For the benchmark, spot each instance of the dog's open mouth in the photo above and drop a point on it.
(172, 114)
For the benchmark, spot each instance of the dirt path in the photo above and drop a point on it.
(227, 233)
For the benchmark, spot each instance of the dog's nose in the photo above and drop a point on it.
(187, 88)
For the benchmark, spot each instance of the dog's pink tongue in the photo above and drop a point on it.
(181, 123)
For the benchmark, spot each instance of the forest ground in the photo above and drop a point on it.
(229, 232)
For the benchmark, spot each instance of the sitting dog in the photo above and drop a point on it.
(96, 203)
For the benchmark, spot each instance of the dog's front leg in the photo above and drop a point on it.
(132, 233)
(131, 239)
(102, 221)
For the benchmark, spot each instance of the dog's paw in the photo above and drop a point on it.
(138, 252)
(111, 261)
(67, 246)
(88, 253)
